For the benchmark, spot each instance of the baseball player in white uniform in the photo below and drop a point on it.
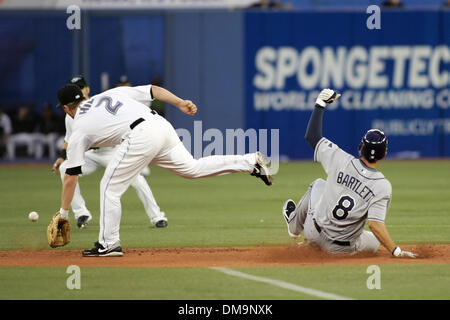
(332, 214)
(97, 158)
(113, 118)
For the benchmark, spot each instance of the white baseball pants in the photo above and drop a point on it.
(154, 141)
(96, 159)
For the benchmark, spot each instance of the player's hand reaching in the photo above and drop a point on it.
(188, 107)
(327, 96)
(56, 165)
(399, 253)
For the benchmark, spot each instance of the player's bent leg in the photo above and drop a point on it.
(181, 162)
(148, 200)
(295, 215)
(91, 163)
(174, 157)
(317, 189)
(307, 203)
(321, 241)
(338, 249)
(310, 231)
(367, 242)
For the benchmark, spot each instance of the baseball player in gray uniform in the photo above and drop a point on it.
(332, 214)
(97, 158)
(143, 137)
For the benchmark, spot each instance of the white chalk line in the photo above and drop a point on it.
(282, 284)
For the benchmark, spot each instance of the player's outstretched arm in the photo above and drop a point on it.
(61, 158)
(380, 231)
(165, 95)
(69, 184)
(314, 129)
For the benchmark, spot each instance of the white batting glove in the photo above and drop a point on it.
(327, 96)
(399, 253)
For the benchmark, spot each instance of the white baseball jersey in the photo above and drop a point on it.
(69, 123)
(353, 193)
(104, 120)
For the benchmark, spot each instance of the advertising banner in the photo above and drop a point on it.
(395, 78)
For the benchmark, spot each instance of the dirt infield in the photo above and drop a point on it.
(222, 257)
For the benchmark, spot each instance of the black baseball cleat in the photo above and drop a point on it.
(100, 251)
(261, 169)
(288, 209)
(82, 221)
(289, 214)
(161, 224)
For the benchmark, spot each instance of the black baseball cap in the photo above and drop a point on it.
(79, 80)
(69, 93)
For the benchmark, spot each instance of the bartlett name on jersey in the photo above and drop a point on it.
(355, 185)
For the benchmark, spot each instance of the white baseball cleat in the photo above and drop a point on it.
(261, 169)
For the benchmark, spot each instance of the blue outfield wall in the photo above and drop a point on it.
(396, 78)
(35, 57)
(38, 53)
(205, 63)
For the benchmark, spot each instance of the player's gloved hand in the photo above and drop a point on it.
(56, 165)
(58, 231)
(64, 214)
(327, 96)
(399, 253)
(188, 107)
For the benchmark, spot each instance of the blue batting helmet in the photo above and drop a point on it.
(373, 145)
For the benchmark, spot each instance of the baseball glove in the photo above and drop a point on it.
(58, 231)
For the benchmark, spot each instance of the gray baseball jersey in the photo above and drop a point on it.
(353, 193)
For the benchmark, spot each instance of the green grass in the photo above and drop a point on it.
(400, 282)
(233, 210)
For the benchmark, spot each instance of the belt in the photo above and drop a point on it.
(339, 243)
(134, 124)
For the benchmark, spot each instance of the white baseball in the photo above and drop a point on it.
(33, 216)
